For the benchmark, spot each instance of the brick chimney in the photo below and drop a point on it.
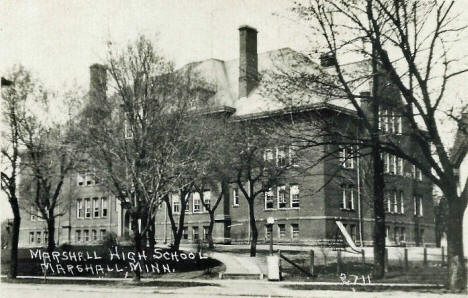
(248, 60)
(97, 81)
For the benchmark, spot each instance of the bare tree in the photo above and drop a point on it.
(133, 135)
(407, 44)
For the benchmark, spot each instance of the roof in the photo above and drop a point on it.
(224, 76)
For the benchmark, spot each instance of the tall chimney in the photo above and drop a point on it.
(248, 60)
(97, 81)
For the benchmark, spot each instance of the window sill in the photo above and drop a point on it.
(235, 206)
(346, 209)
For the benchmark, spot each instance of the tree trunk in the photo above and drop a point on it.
(137, 244)
(14, 239)
(210, 231)
(253, 230)
(151, 235)
(379, 214)
(51, 233)
(456, 261)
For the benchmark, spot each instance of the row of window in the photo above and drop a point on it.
(394, 165)
(282, 155)
(99, 208)
(85, 236)
(195, 233)
(394, 202)
(34, 214)
(294, 231)
(197, 206)
(283, 200)
(87, 179)
(38, 237)
(390, 121)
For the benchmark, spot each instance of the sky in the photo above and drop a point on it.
(59, 40)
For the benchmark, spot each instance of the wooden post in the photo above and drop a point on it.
(338, 261)
(311, 262)
(363, 257)
(386, 259)
(406, 259)
(425, 257)
(443, 255)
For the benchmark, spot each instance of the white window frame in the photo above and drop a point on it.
(85, 235)
(235, 197)
(96, 205)
(79, 208)
(196, 202)
(420, 209)
(87, 207)
(38, 237)
(102, 233)
(343, 196)
(104, 207)
(78, 236)
(402, 202)
(268, 155)
(279, 231)
(206, 200)
(281, 196)
(395, 201)
(399, 125)
(295, 196)
(175, 203)
(94, 235)
(419, 174)
(195, 228)
(297, 233)
(32, 237)
(269, 194)
(281, 157)
(45, 234)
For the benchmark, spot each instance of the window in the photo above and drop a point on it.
(395, 201)
(295, 230)
(175, 203)
(383, 120)
(347, 201)
(402, 203)
(413, 172)
(185, 233)
(418, 205)
(281, 157)
(402, 234)
(46, 237)
(388, 199)
(391, 121)
(94, 235)
(31, 237)
(282, 196)
(205, 232)
(235, 197)
(293, 156)
(96, 207)
(78, 236)
(399, 165)
(393, 164)
(102, 234)
(87, 208)
(32, 213)
(267, 232)
(206, 200)
(79, 208)
(86, 235)
(346, 157)
(268, 155)
(396, 234)
(295, 201)
(104, 206)
(281, 230)
(38, 237)
(196, 202)
(80, 179)
(269, 200)
(419, 174)
(195, 233)
(398, 125)
(387, 232)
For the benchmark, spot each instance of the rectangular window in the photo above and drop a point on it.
(196, 202)
(46, 237)
(31, 237)
(195, 233)
(206, 200)
(205, 232)
(388, 198)
(384, 121)
(281, 196)
(94, 235)
(80, 179)
(346, 157)
(235, 197)
(281, 157)
(104, 206)
(293, 161)
(38, 237)
(419, 174)
(269, 199)
(175, 203)
(295, 200)
(78, 236)
(421, 213)
(185, 232)
(352, 232)
(415, 205)
(347, 201)
(96, 207)
(102, 234)
(267, 232)
(391, 121)
(295, 231)
(87, 208)
(402, 203)
(395, 201)
(418, 205)
(350, 198)
(399, 170)
(268, 155)
(399, 125)
(281, 230)
(393, 164)
(86, 235)
(79, 208)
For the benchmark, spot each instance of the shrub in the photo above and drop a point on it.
(109, 240)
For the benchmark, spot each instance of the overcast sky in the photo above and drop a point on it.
(58, 40)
